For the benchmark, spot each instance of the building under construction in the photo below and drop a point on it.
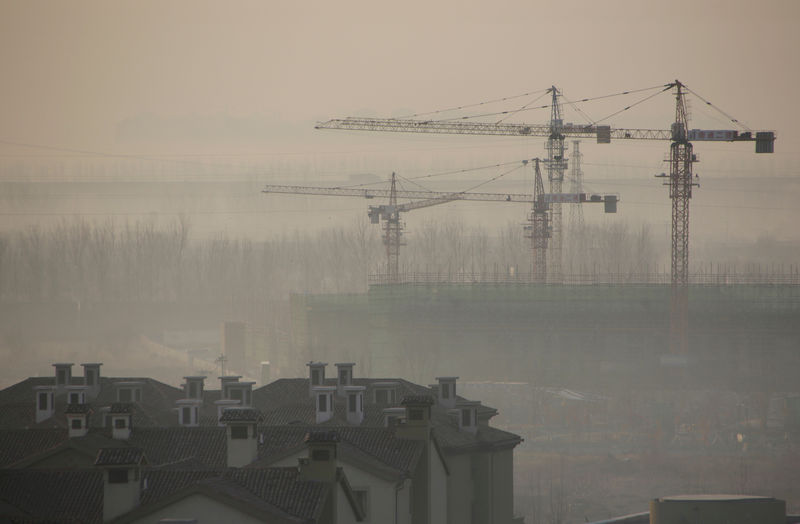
(593, 333)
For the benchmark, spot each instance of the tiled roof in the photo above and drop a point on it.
(119, 456)
(51, 496)
(287, 402)
(240, 415)
(414, 400)
(121, 408)
(375, 447)
(79, 409)
(182, 447)
(17, 444)
(279, 488)
(321, 436)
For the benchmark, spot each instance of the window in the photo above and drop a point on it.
(117, 476)
(351, 403)
(384, 396)
(315, 378)
(235, 393)
(61, 376)
(239, 432)
(321, 455)
(119, 423)
(89, 377)
(193, 390)
(124, 395)
(74, 398)
(466, 417)
(445, 390)
(76, 423)
(362, 498)
(42, 401)
(186, 415)
(323, 402)
(343, 377)
(247, 397)
(415, 414)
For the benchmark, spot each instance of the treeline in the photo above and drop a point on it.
(140, 261)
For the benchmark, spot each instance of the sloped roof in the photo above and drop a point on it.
(127, 456)
(17, 444)
(376, 449)
(276, 491)
(288, 402)
(51, 496)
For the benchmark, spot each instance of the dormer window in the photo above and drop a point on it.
(43, 405)
(466, 417)
(74, 398)
(61, 376)
(76, 423)
(352, 403)
(323, 402)
(193, 389)
(129, 394)
(90, 378)
(120, 423)
(445, 391)
(118, 476)
(385, 392)
(239, 432)
(316, 377)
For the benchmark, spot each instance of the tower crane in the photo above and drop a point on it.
(680, 176)
(537, 230)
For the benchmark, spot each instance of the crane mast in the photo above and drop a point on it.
(539, 228)
(556, 165)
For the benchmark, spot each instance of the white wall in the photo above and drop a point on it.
(201, 508)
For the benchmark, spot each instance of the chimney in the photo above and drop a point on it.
(121, 479)
(91, 379)
(78, 419)
(355, 404)
(121, 416)
(417, 424)
(45, 402)
(63, 375)
(323, 403)
(316, 375)
(265, 372)
(447, 392)
(321, 462)
(193, 387)
(344, 376)
(242, 438)
(224, 404)
(189, 411)
(467, 411)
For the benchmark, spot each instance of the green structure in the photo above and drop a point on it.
(743, 336)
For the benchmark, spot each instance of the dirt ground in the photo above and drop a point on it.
(567, 487)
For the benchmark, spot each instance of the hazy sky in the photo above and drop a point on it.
(74, 72)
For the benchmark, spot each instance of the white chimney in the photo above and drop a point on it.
(344, 376)
(193, 387)
(63, 375)
(265, 372)
(45, 402)
(316, 375)
(355, 404)
(323, 403)
(121, 416)
(447, 392)
(242, 438)
(77, 419)
(91, 379)
(121, 484)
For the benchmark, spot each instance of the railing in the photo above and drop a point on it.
(783, 278)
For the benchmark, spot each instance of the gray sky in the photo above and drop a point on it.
(74, 72)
